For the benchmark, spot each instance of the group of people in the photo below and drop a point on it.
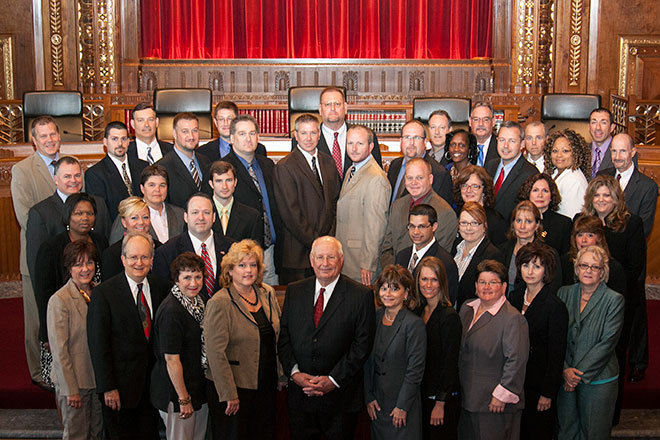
(473, 290)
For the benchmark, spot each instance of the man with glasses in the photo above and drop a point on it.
(413, 145)
(482, 122)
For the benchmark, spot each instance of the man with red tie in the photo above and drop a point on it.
(119, 333)
(326, 333)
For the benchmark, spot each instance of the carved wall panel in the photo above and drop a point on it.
(97, 46)
(7, 90)
(633, 50)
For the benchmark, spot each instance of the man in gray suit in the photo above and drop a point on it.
(31, 182)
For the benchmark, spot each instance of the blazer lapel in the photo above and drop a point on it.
(513, 174)
(396, 326)
(42, 171)
(306, 170)
(240, 304)
(333, 304)
(125, 298)
(182, 170)
(77, 298)
(483, 320)
(595, 299)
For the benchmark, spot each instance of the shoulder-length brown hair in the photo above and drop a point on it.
(486, 181)
(618, 218)
(395, 274)
(526, 190)
(589, 224)
(435, 264)
(581, 151)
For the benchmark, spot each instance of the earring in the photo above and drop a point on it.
(67, 227)
(448, 156)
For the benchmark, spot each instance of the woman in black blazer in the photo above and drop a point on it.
(542, 190)
(547, 320)
(472, 247)
(441, 403)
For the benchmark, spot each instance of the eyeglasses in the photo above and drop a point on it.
(485, 120)
(474, 186)
(465, 224)
(332, 104)
(412, 227)
(482, 283)
(592, 267)
(416, 138)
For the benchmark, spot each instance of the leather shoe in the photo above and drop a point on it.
(636, 375)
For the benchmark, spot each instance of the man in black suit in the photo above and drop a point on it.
(200, 239)
(601, 127)
(117, 175)
(223, 114)
(511, 170)
(439, 126)
(413, 144)
(326, 334)
(254, 187)
(306, 190)
(145, 146)
(422, 224)
(119, 329)
(188, 171)
(232, 218)
(482, 122)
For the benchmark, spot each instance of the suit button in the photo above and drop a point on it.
(315, 340)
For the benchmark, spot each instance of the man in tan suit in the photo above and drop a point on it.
(362, 207)
(31, 182)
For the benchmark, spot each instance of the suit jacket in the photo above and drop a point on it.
(547, 320)
(121, 354)
(165, 147)
(594, 333)
(442, 184)
(396, 235)
(641, 195)
(616, 282)
(182, 185)
(493, 352)
(31, 182)
(308, 211)
(46, 220)
(606, 162)
(110, 260)
(338, 347)
(67, 333)
(506, 197)
(403, 258)
(211, 150)
(557, 230)
(324, 148)
(231, 335)
(485, 251)
(175, 224)
(492, 152)
(165, 255)
(507, 248)
(104, 180)
(244, 222)
(362, 211)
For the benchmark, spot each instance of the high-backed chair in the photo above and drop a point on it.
(563, 110)
(169, 102)
(304, 99)
(458, 109)
(64, 106)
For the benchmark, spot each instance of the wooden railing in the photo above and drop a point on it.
(640, 118)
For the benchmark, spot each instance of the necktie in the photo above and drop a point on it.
(316, 171)
(268, 238)
(350, 176)
(150, 158)
(224, 219)
(596, 165)
(195, 175)
(413, 262)
(127, 180)
(143, 311)
(209, 276)
(52, 164)
(336, 155)
(480, 156)
(318, 308)
(500, 179)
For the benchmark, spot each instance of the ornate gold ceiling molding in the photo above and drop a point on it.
(628, 48)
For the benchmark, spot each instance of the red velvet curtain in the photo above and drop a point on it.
(416, 29)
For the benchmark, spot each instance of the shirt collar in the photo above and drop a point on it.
(492, 309)
(185, 159)
(328, 289)
(425, 249)
(197, 243)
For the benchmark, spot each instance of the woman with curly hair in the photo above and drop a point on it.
(568, 160)
(474, 184)
(541, 190)
(461, 151)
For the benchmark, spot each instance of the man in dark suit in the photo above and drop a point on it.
(117, 175)
(200, 239)
(232, 218)
(254, 188)
(223, 114)
(601, 127)
(482, 122)
(422, 224)
(306, 191)
(119, 329)
(439, 126)
(333, 108)
(145, 146)
(413, 144)
(326, 334)
(187, 171)
(511, 170)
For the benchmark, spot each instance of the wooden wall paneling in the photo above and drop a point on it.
(572, 45)
(60, 44)
(16, 28)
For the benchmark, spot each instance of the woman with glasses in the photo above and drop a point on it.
(474, 184)
(471, 248)
(492, 360)
(461, 151)
(585, 404)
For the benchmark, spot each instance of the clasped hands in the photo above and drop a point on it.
(572, 378)
(313, 385)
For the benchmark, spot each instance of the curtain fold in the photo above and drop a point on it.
(388, 29)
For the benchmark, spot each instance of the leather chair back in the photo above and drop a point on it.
(564, 110)
(169, 102)
(304, 99)
(458, 109)
(64, 106)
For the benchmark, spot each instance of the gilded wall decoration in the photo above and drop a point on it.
(93, 121)
(282, 81)
(105, 20)
(7, 75)
(628, 45)
(56, 49)
(575, 43)
(545, 44)
(87, 70)
(350, 80)
(11, 123)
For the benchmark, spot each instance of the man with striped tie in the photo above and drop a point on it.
(188, 171)
(482, 122)
(145, 146)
